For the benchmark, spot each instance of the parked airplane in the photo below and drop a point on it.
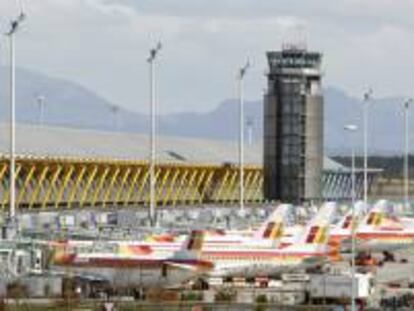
(268, 236)
(379, 232)
(130, 265)
(310, 251)
(343, 229)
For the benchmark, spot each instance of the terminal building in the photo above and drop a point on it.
(72, 168)
(63, 168)
(293, 126)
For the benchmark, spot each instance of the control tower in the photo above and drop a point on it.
(293, 126)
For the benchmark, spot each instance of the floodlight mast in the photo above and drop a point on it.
(40, 99)
(151, 60)
(352, 129)
(406, 107)
(115, 109)
(240, 77)
(14, 27)
(250, 124)
(367, 99)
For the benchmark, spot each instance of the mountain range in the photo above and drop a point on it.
(69, 104)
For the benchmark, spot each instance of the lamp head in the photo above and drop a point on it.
(159, 46)
(15, 24)
(368, 94)
(243, 70)
(40, 98)
(154, 52)
(407, 103)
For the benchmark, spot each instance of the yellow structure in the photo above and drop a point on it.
(47, 182)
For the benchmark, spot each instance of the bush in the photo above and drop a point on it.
(261, 299)
(192, 296)
(224, 295)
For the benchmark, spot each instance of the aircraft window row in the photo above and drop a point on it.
(110, 248)
(234, 258)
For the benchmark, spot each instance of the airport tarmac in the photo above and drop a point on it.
(392, 278)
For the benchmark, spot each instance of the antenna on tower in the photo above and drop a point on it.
(295, 38)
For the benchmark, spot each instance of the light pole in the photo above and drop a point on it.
(352, 129)
(115, 111)
(250, 124)
(14, 27)
(240, 77)
(406, 153)
(40, 99)
(367, 98)
(151, 59)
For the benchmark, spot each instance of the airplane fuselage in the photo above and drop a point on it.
(257, 262)
(135, 271)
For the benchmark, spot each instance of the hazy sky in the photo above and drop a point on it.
(103, 45)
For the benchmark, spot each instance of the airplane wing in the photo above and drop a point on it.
(189, 267)
(82, 276)
(181, 266)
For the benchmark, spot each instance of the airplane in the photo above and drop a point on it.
(338, 232)
(130, 265)
(310, 251)
(268, 236)
(343, 229)
(378, 232)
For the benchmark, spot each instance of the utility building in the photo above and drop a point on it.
(293, 126)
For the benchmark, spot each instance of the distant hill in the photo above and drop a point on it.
(71, 105)
(67, 103)
(385, 123)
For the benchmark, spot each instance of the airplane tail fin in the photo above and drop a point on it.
(273, 227)
(192, 246)
(346, 223)
(194, 241)
(381, 217)
(315, 236)
(375, 217)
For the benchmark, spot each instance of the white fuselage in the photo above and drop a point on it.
(126, 270)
